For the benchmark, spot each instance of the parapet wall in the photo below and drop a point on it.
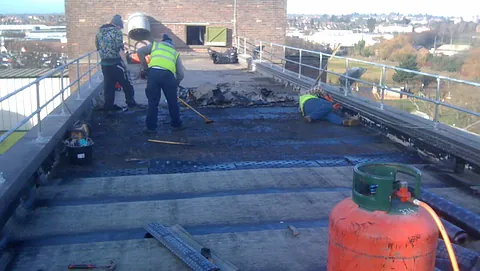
(23, 160)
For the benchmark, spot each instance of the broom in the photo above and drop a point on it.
(325, 95)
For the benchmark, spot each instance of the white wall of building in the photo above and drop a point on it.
(29, 27)
(46, 35)
(344, 37)
(394, 28)
(23, 104)
(421, 29)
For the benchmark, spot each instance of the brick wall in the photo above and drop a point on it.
(256, 19)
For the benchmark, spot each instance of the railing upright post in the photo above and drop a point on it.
(39, 119)
(300, 64)
(437, 102)
(346, 79)
(271, 54)
(320, 65)
(78, 80)
(89, 72)
(245, 47)
(285, 57)
(62, 89)
(382, 85)
(261, 51)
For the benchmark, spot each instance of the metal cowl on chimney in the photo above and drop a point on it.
(138, 26)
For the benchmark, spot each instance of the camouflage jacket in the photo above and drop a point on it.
(109, 42)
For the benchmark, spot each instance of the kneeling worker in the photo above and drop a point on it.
(314, 108)
(165, 72)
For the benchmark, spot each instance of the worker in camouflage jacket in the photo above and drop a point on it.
(109, 43)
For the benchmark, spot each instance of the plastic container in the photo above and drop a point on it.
(79, 155)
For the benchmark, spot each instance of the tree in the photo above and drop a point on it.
(345, 19)
(388, 48)
(371, 23)
(405, 21)
(425, 39)
(423, 56)
(471, 67)
(403, 53)
(410, 63)
(359, 47)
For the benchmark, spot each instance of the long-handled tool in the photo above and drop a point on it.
(334, 52)
(207, 120)
(169, 142)
(326, 96)
(111, 266)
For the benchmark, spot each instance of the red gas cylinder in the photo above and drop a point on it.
(378, 228)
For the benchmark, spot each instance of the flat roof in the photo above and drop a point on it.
(236, 189)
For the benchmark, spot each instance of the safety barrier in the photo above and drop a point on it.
(16, 98)
(276, 55)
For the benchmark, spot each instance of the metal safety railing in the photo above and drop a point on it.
(276, 55)
(39, 95)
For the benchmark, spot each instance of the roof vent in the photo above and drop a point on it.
(138, 26)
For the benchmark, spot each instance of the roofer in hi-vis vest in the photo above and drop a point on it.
(314, 108)
(165, 72)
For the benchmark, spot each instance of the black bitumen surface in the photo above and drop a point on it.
(253, 172)
(240, 138)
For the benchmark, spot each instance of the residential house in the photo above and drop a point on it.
(450, 49)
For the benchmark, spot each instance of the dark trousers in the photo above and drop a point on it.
(157, 81)
(112, 75)
(320, 109)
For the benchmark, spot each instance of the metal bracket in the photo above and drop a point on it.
(181, 249)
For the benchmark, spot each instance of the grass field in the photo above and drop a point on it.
(372, 75)
(10, 141)
(446, 115)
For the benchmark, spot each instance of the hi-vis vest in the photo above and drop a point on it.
(163, 56)
(305, 98)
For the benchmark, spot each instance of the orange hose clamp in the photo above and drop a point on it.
(378, 228)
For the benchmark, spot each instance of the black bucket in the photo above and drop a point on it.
(79, 155)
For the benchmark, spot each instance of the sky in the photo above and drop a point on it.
(433, 7)
(32, 6)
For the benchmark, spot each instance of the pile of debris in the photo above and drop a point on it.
(230, 56)
(236, 94)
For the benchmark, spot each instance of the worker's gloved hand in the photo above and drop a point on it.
(143, 73)
(318, 90)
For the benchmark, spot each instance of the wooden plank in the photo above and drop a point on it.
(218, 260)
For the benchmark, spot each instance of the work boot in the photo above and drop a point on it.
(149, 132)
(351, 122)
(137, 106)
(114, 108)
(308, 119)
